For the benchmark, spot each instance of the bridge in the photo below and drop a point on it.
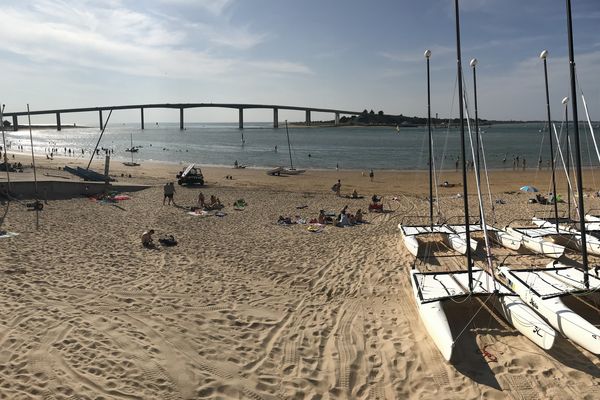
(181, 107)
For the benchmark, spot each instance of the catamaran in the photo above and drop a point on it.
(432, 289)
(543, 288)
(291, 170)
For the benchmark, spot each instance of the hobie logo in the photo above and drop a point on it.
(536, 330)
(595, 336)
(533, 304)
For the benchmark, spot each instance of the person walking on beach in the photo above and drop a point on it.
(337, 187)
(169, 191)
(371, 175)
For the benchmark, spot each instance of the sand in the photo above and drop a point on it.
(245, 308)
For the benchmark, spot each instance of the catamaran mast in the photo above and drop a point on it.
(427, 55)
(473, 64)
(544, 56)
(577, 147)
(462, 147)
(568, 151)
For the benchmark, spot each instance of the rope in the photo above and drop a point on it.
(471, 320)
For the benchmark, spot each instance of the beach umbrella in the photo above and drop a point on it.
(528, 188)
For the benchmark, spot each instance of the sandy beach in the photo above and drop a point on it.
(245, 308)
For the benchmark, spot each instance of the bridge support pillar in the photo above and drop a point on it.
(337, 118)
(181, 118)
(15, 123)
(142, 116)
(101, 121)
(307, 118)
(275, 118)
(241, 118)
(58, 127)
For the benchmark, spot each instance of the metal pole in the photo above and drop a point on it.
(427, 55)
(474, 65)
(97, 143)
(37, 209)
(577, 147)
(462, 147)
(569, 187)
(544, 55)
(289, 147)
(5, 156)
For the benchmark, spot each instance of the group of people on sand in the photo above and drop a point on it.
(213, 204)
(344, 218)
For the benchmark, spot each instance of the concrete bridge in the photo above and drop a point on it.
(181, 107)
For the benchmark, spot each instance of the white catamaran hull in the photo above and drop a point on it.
(436, 323)
(526, 321)
(538, 244)
(411, 243)
(505, 239)
(458, 242)
(561, 317)
(572, 237)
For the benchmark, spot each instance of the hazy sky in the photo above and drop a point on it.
(333, 54)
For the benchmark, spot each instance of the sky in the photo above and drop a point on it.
(349, 54)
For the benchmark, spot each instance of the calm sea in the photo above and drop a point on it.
(314, 148)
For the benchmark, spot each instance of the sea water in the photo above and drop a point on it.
(360, 148)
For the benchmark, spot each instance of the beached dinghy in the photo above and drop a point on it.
(431, 289)
(542, 290)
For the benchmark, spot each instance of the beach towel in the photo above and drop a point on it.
(6, 234)
(199, 213)
(315, 228)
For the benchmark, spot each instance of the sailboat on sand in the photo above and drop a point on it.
(291, 170)
(131, 150)
(543, 288)
(432, 289)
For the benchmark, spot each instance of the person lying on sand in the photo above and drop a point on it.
(147, 241)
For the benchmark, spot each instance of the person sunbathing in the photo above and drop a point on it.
(354, 194)
(215, 203)
(359, 216)
(321, 218)
(284, 220)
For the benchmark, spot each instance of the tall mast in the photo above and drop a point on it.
(544, 56)
(568, 151)
(5, 155)
(577, 147)
(473, 64)
(462, 147)
(427, 56)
